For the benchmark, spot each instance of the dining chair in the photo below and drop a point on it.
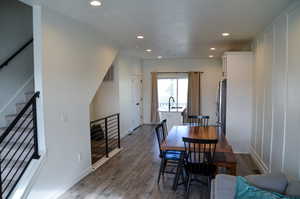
(198, 120)
(164, 123)
(169, 159)
(199, 161)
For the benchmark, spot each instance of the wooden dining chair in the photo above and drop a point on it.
(199, 160)
(198, 120)
(169, 159)
(164, 123)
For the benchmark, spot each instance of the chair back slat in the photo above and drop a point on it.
(198, 120)
(200, 151)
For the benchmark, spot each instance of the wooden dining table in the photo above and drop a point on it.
(224, 154)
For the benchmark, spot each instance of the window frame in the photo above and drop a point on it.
(177, 77)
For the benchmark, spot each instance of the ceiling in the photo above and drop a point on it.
(175, 28)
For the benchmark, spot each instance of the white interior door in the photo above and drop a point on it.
(136, 101)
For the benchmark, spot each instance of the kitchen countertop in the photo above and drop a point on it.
(173, 110)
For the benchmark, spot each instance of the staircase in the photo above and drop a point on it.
(18, 143)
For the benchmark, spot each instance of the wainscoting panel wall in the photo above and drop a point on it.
(276, 119)
(279, 91)
(292, 145)
(267, 114)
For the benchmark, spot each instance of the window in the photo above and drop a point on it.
(172, 85)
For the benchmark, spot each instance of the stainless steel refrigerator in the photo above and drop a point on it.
(221, 105)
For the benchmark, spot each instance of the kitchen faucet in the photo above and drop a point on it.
(171, 98)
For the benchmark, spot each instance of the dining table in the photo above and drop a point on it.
(224, 155)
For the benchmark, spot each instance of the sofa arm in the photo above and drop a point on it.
(212, 189)
(224, 187)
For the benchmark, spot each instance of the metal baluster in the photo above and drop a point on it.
(35, 132)
(1, 193)
(106, 138)
(119, 137)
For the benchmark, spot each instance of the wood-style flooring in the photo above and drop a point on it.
(132, 174)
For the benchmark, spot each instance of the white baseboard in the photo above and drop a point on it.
(102, 161)
(25, 184)
(86, 172)
(80, 177)
(261, 165)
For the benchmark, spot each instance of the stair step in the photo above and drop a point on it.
(8, 188)
(13, 167)
(18, 136)
(11, 117)
(15, 149)
(16, 130)
(28, 95)
(15, 115)
(20, 106)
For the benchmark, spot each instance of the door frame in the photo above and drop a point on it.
(141, 108)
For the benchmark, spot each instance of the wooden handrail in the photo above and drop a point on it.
(6, 62)
(92, 122)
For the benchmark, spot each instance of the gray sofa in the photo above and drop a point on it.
(223, 186)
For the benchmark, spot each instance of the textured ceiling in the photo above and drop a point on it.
(175, 28)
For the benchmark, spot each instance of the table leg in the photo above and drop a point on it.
(179, 171)
(232, 169)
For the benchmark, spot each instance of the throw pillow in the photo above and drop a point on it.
(246, 191)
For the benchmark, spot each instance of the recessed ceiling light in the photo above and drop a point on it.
(159, 57)
(95, 3)
(211, 56)
(225, 34)
(148, 50)
(212, 48)
(140, 37)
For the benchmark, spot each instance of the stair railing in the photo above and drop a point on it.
(107, 133)
(6, 62)
(18, 147)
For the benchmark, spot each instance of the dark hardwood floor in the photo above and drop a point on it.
(132, 174)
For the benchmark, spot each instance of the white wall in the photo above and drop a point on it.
(75, 59)
(127, 67)
(106, 101)
(209, 82)
(16, 26)
(239, 67)
(115, 97)
(16, 30)
(276, 121)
